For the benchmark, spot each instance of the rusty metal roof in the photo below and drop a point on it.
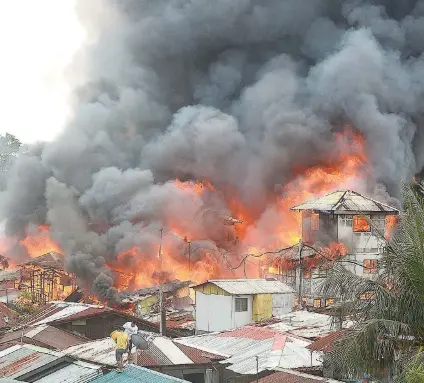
(251, 286)
(52, 259)
(342, 201)
(45, 336)
(18, 361)
(326, 343)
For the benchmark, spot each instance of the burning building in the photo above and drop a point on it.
(341, 224)
(45, 279)
(243, 108)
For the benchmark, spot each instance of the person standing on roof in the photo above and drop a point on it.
(121, 340)
(130, 329)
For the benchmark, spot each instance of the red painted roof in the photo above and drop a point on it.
(49, 337)
(198, 356)
(250, 332)
(326, 343)
(287, 377)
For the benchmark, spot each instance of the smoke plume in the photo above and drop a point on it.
(233, 92)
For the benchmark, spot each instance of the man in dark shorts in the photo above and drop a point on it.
(121, 340)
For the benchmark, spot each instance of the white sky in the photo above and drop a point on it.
(37, 40)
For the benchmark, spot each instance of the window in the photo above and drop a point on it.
(370, 266)
(361, 224)
(241, 305)
(329, 302)
(315, 222)
(317, 303)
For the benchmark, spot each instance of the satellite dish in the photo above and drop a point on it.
(139, 342)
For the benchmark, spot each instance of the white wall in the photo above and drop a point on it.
(241, 319)
(214, 312)
(282, 304)
(217, 312)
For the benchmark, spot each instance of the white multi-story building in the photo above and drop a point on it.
(358, 222)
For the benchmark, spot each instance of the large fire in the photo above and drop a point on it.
(342, 169)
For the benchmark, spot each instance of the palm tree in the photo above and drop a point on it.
(388, 312)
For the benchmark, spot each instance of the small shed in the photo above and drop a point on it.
(226, 304)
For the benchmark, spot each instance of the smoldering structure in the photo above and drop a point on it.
(236, 93)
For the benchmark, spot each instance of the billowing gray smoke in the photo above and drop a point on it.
(234, 92)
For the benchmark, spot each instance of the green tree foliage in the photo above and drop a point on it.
(389, 321)
(9, 149)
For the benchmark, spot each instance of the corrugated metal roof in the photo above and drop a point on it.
(137, 374)
(241, 346)
(161, 351)
(292, 377)
(20, 360)
(74, 373)
(344, 201)
(98, 351)
(326, 343)
(251, 286)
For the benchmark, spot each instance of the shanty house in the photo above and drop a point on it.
(360, 223)
(45, 278)
(229, 304)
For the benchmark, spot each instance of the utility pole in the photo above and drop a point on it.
(189, 256)
(161, 321)
(257, 369)
(299, 254)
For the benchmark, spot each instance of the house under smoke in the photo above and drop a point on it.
(359, 223)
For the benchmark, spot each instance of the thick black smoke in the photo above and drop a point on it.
(235, 92)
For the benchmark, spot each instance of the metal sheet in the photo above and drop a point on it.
(251, 286)
(345, 201)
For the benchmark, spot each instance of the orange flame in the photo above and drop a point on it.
(38, 242)
(276, 227)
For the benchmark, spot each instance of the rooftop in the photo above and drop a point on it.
(44, 336)
(161, 351)
(288, 376)
(341, 201)
(135, 374)
(35, 364)
(52, 259)
(60, 312)
(250, 286)
(241, 346)
(305, 324)
(326, 343)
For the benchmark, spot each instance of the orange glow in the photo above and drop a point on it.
(361, 224)
(391, 222)
(280, 227)
(195, 187)
(39, 242)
